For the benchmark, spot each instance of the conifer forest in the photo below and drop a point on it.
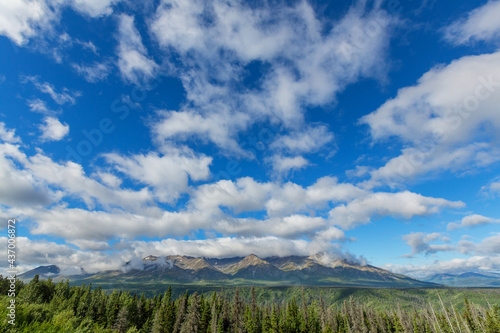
(45, 306)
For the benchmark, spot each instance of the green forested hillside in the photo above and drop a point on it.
(42, 306)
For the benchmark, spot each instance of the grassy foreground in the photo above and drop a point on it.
(43, 306)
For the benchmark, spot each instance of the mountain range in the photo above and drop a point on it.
(469, 279)
(291, 270)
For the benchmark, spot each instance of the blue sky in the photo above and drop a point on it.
(364, 129)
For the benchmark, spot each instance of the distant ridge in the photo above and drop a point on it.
(303, 270)
(468, 279)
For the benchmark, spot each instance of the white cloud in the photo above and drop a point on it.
(246, 194)
(305, 141)
(481, 24)
(74, 183)
(420, 243)
(80, 224)
(83, 244)
(8, 135)
(489, 246)
(63, 97)
(492, 189)
(399, 205)
(109, 179)
(453, 266)
(292, 227)
(442, 120)
(215, 127)
(495, 187)
(93, 73)
(43, 181)
(94, 8)
(224, 247)
(133, 62)
(472, 221)
(167, 174)
(282, 165)
(305, 65)
(19, 20)
(40, 106)
(53, 129)
(39, 252)
(18, 186)
(242, 195)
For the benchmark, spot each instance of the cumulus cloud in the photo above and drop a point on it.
(472, 221)
(224, 247)
(133, 62)
(278, 200)
(282, 165)
(8, 135)
(489, 246)
(420, 243)
(109, 179)
(479, 256)
(454, 266)
(32, 253)
(398, 205)
(305, 141)
(492, 189)
(53, 129)
(38, 179)
(19, 20)
(481, 24)
(214, 127)
(441, 121)
(167, 174)
(81, 224)
(94, 8)
(306, 64)
(36, 252)
(84, 244)
(74, 183)
(18, 186)
(24, 19)
(292, 227)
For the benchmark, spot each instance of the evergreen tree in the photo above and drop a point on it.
(468, 316)
(214, 314)
(181, 313)
(205, 314)
(275, 320)
(122, 323)
(193, 318)
(159, 322)
(112, 308)
(237, 315)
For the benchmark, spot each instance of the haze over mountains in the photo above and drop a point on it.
(469, 279)
(306, 270)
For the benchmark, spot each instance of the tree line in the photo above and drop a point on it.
(45, 306)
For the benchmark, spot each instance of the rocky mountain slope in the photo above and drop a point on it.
(312, 270)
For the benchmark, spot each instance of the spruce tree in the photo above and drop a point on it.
(192, 322)
(122, 323)
(181, 313)
(237, 315)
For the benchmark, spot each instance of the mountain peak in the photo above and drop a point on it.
(317, 270)
(252, 259)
